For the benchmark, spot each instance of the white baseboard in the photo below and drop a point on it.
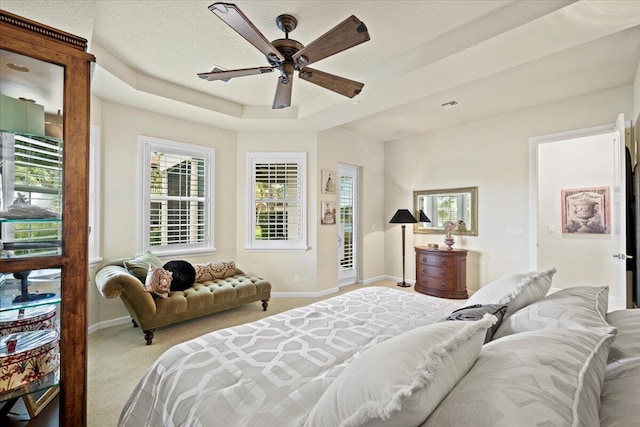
(374, 279)
(304, 294)
(108, 323)
(399, 279)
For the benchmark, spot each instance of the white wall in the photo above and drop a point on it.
(279, 268)
(344, 146)
(120, 127)
(493, 155)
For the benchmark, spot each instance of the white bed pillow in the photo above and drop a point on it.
(514, 290)
(571, 308)
(548, 377)
(401, 380)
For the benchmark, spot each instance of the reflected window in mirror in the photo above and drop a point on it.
(457, 205)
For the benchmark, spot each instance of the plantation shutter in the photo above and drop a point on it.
(177, 199)
(277, 201)
(347, 201)
(34, 176)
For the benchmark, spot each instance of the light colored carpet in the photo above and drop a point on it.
(118, 356)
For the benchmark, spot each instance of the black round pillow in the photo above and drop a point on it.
(184, 275)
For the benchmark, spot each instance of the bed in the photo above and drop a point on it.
(320, 364)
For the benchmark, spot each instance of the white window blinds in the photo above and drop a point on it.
(277, 201)
(32, 174)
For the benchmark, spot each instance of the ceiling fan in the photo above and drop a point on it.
(288, 55)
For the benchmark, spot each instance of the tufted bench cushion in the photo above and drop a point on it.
(207, 297)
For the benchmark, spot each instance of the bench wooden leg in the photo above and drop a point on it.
(265, 303)
(148, 335)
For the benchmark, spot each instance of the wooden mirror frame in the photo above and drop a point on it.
(425, 228)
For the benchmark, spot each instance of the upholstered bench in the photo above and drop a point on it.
(124, 278)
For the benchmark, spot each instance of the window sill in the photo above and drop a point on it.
(165, 253)
(254, 249)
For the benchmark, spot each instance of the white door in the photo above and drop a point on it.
(347, 224)
(619, 209)
(586, 163)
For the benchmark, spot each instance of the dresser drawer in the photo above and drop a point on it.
(435, 260)
(443, 284)
(436, 272)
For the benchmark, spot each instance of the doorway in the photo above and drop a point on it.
(578, 217)
(348, 225)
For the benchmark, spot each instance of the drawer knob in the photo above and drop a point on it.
(443, 261)
(443, 273)
(443, 285)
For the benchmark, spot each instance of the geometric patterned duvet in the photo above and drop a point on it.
(272, 372)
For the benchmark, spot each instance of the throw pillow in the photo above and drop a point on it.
(570, 308)
(139, 265)
(477, 312)
(214, 270)
(627, 343)
(401, 380)
(158, 281)
(184, 275)
(515, 290)
(546, 377)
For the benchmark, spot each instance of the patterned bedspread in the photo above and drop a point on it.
(271, 372)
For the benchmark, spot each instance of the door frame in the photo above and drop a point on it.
(355, 172)
(534, 143)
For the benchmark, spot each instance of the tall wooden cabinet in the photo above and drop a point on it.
(39, 47)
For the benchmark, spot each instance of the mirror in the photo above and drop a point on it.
(459, 205)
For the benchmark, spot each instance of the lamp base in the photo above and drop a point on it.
(404, 284)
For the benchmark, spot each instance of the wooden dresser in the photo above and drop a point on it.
(441, 272)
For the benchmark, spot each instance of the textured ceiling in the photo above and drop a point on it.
(491, 56)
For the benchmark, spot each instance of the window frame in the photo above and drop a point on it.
(252, 244)
(147, 145)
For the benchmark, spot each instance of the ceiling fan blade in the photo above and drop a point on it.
(348, 33)
(226, 75)
(346, 87)
(283, 92)
(231, 14)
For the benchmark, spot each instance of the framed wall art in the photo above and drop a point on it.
(586, 211)
(328, 181)
(328, 213)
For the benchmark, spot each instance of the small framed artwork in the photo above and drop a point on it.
(586, 211)
(327, 213)
(35, 402)
(328, 181)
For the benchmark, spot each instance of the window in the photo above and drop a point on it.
(32, 174)
(177, 201)
(277, 201)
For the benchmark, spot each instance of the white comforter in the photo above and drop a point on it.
(272, 372)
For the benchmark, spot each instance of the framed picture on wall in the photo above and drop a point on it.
(328, 181)
(327, 213)
(586, 211)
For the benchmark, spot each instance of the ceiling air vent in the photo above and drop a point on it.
(450, 104)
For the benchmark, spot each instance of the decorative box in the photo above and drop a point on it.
(28, 319)
(35, 355)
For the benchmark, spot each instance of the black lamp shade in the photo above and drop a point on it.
(424, 217)
(403, 216)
